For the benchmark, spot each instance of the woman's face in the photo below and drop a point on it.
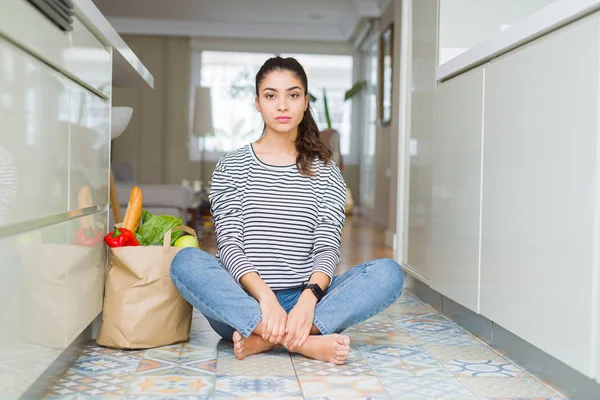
(281, 101)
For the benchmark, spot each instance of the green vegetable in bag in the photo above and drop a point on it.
(154, 227)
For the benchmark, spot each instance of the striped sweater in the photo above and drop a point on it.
(274, 221)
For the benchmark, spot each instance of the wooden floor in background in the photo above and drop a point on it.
(362, 240)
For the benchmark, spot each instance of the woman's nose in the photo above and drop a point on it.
(282, 106)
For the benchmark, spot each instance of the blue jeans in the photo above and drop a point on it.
(352, 297)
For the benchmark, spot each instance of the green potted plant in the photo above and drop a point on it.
(350, 93)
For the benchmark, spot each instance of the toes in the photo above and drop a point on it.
(345, 340)
(342, 353)
(237, 336)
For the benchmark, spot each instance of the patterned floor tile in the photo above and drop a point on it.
(512, 388)
(383, 325)
(257, 398)
(157, 367)
(258, 365)
(408, 298)
(471, 353)
(521, 398)
(172, 386)
(99, 365)
(428, 324)
(83, 397)
(92, 349)
(178, 360)
(342, 387)
(484, 369)
(422, 388)
(97, 385)
(182, 353)
(445, 339)
(259, 386)
(380, 338)
(402, 310)
(404, 360)
(409, 349)
(352, 367)
(201, 339)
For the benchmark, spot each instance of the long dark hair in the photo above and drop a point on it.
(308, 143)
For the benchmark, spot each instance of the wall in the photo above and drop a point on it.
(486, 232)
(383, 140)
(465, 23)
(386, 144)
(156, 138)
(424, 49)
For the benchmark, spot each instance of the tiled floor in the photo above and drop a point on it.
(407, 352)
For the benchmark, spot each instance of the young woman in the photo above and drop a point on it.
(278, 209)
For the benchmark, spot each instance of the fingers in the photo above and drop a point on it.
(290, 338)
(304, 338)
(268, 328)
(277, 329)
(281, 333)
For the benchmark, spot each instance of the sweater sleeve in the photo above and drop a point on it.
(226, 209)
(330, 221)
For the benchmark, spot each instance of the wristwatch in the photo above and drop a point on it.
(316, 289)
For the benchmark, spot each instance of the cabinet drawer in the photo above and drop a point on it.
(89, 60)
(457, 188)
(78, 53)
(51, 289)
(34, 137)
(89, 147)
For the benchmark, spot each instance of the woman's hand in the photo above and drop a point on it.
(300, 321)
(273, 320)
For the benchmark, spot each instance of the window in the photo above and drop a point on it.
(230, 75)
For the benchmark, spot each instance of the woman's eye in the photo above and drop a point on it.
(294, 95)
(270, 96)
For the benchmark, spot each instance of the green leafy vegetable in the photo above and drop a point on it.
(146, 215)
(153, 229)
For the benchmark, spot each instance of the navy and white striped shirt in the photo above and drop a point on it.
(274, 221)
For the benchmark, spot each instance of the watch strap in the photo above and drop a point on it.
(316, 289)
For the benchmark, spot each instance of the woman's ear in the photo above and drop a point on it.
(306, 102)
(256, 103)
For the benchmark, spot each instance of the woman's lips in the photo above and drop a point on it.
(283, 119)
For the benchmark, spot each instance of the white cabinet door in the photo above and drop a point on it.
(34, 138)
(89, 146)
(425, 13)
(51, 289)
(455, 224)
(540, 186)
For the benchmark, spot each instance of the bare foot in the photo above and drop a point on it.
(253, 345)
(331, 348)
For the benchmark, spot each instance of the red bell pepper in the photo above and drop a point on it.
(88, 237)
(121, 237)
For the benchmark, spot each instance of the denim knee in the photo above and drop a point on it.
(190, 260)
(390, 276)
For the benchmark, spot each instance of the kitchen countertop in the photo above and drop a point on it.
(549, 18)
(128, 70)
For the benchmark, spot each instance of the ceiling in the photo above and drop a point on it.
(323, 20)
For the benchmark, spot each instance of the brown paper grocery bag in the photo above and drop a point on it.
(142, 306)
(61, 291)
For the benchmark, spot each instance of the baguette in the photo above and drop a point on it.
(134, 210)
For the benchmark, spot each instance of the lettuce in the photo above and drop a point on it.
(154, 227)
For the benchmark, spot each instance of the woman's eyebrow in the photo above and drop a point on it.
(288, 89)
